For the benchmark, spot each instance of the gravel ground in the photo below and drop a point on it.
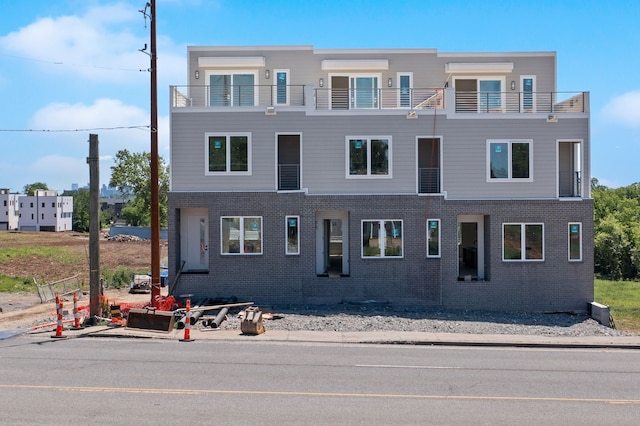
(348, 318)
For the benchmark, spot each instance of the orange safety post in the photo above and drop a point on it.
(76, 312)
(59, 323)
(187, 326)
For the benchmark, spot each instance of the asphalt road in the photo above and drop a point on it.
(144, 381)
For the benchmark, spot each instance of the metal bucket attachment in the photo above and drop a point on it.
(251, 322)
(150, 319)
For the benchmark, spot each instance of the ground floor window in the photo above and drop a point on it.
(241, 235)
(292, 234)
(575, 241)
(382, 238)
(433, 237)
(522, 241)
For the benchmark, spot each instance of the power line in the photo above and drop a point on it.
(144, 127)
(72, 65)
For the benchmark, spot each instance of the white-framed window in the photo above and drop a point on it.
(433, 238)
(241, 235)
(368, 156)
(509, 160)
(405, 84)
(575, 241)
(382, 238)
(522, 242)
(227, 153)
(232, 88)
(292, 234)
(528, 93)
(281, 87)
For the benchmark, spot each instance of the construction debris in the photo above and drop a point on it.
(251, 321)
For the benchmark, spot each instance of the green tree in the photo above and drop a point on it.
(81, 210)
(30, 189)
(617, 230)
(132, 176)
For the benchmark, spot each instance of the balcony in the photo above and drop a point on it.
(402, 99)
(520, 102)
(570, 184)
(229, 96)
(346, 99)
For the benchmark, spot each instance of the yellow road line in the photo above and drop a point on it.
(311, 394)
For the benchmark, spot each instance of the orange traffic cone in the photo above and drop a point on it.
(187, 325)
(58, 334)
(76, 313)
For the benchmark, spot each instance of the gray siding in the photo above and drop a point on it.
(464, 150)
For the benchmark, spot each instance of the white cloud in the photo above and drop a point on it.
(100, 45)
(624, 109)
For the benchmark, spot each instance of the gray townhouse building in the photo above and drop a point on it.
(405, 176)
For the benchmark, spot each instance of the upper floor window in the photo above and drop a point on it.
(368, 156)
(404, 92)
(382, 238)
(509, 160)
(232, 88)
(354, 91)
(281, 93)
(227, 153)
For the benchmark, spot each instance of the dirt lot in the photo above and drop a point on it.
(135, 255)
(24, 309)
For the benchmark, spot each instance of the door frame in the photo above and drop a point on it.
(202, 239)
(322, 245)
(480, 246)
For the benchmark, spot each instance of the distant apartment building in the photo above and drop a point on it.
(45, 211)
(9, 210)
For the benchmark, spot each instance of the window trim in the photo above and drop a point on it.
(569, 241)
(227, 136)
(233, 72)
(533, 93)
(510, 143)
(439, 254)
(400, 96)
(241, 240)
(287, 101)
(382, 240)
(389, 174)
(523, 242)
(286, 235)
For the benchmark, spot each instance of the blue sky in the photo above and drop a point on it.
(75, 65)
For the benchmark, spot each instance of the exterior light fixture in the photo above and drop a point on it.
(267, 74)
(513, 85)
(389, 82)
(321, 82)
(197, 74)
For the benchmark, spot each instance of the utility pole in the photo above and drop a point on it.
(155, 191)
(94, 229)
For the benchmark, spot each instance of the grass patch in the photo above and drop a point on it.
(17, 285)
(623, 297)
(56, 254)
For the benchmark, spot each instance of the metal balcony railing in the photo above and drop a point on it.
(520, 102)
(288, 177)
(570, 184)
(429, 180)
(230, 96)
(347, 99)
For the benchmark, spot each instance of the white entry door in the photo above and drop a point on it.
(194, 239)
